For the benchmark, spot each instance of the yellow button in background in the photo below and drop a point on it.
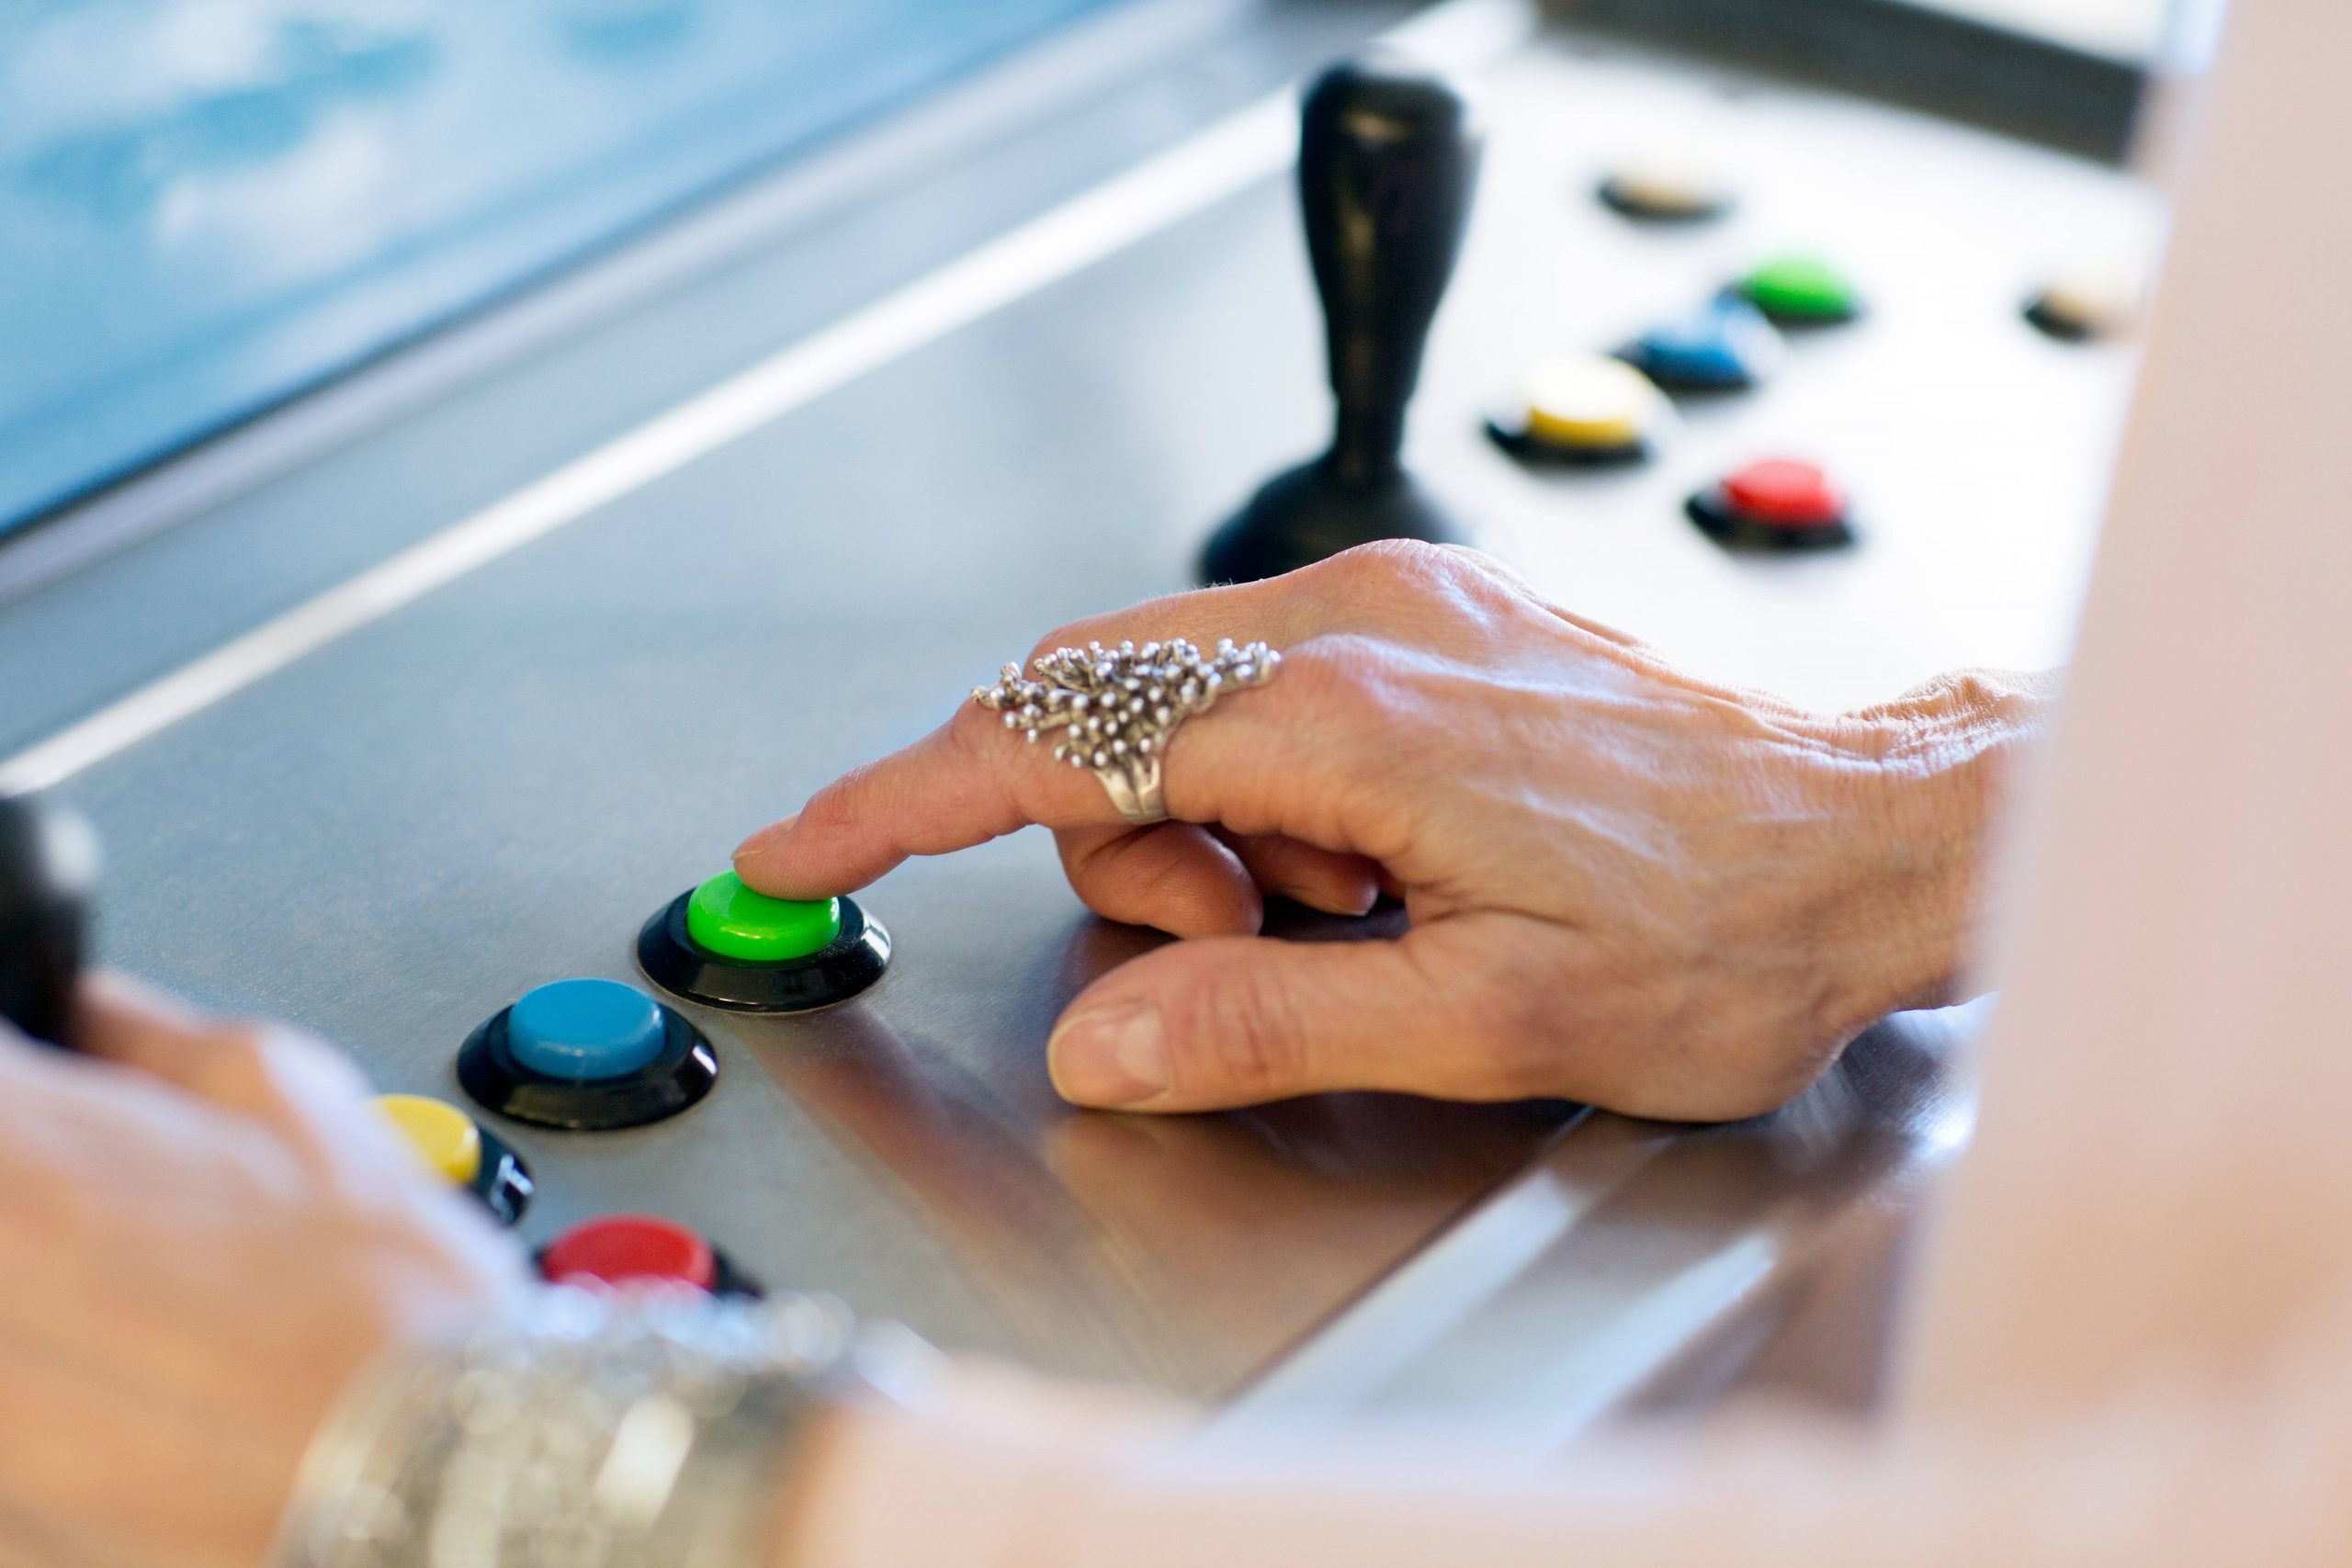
(442, 1136)
(1591, 402)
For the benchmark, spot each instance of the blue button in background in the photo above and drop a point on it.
(1724, 345)
(585, 1030)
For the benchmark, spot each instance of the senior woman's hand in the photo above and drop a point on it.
(205, 1230)
(1626, 885)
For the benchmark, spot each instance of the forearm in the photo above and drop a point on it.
(1004, 1472)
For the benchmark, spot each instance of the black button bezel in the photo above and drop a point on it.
(675, 1079)
(673, 960)
(1711, 510)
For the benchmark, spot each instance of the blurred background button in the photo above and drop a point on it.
(2080, 306)
(1724, 345)
(1801, 290)
(1665, 190)
(620, 1250)
(444, 1137)
(1786, 492)
(1589, 403)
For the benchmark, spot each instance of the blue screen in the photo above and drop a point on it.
(208, 205)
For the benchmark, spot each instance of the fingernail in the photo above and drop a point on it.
(1316, 898)
(1111, 1056)
(766, 838)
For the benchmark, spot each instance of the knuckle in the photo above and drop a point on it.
(1436, 596)
(970, 736)
(1087, 859)
(1413, 570)
(1383, 561)
(1246, 1037)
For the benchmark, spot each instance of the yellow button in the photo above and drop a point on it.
(444, 1137)
(1590, 403)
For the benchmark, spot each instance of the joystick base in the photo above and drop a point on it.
(1311, 513)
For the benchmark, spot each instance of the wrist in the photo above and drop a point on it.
(583, 1430)
(1938, 762)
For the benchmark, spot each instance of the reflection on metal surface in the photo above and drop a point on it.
(1187, 1250)
(1631, 1248)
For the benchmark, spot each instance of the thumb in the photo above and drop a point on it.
(1222, 1022)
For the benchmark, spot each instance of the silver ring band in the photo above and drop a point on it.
(1117, 707)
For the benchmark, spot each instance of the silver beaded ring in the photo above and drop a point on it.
(1118, 707)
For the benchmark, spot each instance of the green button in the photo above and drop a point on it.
(1800, 289)
(732, 921)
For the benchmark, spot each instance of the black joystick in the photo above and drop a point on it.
(1387, 157)
(48, 867)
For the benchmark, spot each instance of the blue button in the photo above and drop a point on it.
(1724, 346)
(585, 1030)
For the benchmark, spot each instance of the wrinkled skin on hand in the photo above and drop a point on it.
(1625, 885)
(205, 1231)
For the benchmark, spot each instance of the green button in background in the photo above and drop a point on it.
(725, 918)
(1800, 289)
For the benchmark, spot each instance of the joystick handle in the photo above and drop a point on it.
(1387, 159)
(1387, 154)
(48, 869)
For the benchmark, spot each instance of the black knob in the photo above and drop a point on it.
(48, 869)
(1387, 159)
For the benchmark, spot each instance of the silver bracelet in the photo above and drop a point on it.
(589, 1430)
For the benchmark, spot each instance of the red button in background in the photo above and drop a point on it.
(625, 1248)
(1784, 493)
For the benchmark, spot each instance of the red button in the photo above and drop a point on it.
(622, 1248)
(1782, 493)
